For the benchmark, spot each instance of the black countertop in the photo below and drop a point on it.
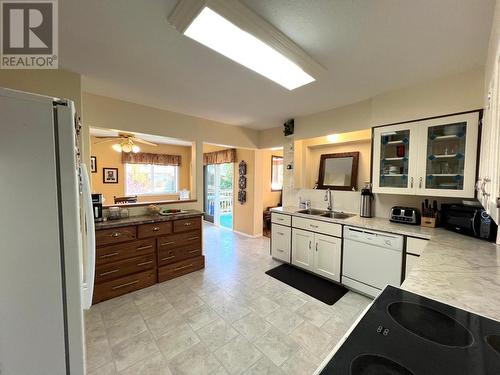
(146, 219)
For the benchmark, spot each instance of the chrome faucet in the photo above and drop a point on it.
(328, 198)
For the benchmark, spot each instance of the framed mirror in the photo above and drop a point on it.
(338, 171)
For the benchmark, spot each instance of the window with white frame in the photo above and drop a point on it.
(150, 179)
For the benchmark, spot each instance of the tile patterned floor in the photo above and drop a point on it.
(230, 318)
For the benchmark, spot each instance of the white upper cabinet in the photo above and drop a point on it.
(447, 161)
(394, 159)
(432, 157)
(488, 183)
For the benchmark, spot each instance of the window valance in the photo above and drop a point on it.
(147, 158)
(220, 157)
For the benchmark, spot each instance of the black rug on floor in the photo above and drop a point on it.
(321, 289)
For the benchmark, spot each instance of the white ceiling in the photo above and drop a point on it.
(100, 132)
(126, 49)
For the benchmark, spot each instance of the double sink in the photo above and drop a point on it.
(323, 213)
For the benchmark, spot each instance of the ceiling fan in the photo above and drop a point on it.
(126, 142)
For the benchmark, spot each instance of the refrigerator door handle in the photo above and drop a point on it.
(89, 267)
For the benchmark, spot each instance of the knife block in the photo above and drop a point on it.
(430, 222)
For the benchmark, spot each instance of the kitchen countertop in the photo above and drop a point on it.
(146, 219)
(455, 269)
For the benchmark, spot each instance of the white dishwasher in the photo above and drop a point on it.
(371, 260)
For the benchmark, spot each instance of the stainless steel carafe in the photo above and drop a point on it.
(365, 206)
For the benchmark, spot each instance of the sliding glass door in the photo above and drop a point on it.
(218, 195)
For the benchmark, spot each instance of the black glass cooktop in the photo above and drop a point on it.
(406, 334)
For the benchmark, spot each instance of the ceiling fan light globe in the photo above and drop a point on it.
(117, 147)
(126, 148)
(136, 149)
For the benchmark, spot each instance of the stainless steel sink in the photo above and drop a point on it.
(337, 215)
(312, 211)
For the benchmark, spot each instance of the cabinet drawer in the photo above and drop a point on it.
(317, 226)
(281, 219)
(415, 245)
(155, 229)
(185, 225)
(177, 247)
(183, 239)
(180, 268)
(113, 253)
(116, 235)
(281, 241)
(123, 285)
(125, 267)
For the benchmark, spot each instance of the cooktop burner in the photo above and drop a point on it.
(406, 334)
(375, 365)
(430, 324)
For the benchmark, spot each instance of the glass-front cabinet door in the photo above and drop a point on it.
(394, 154)
(447, 158)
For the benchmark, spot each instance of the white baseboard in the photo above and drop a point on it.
(248, 235)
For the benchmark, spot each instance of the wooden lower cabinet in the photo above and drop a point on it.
(123, 285)
(180, 268)
(171, 249)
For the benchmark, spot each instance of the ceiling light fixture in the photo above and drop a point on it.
(235, 31)
(332, 138)
(126, 145)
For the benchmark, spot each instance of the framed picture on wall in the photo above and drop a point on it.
(110, 175)
(93, 164)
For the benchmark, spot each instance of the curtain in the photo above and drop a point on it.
(220, 157)
(147, 158)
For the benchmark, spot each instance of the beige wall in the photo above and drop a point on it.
(245, 214)
(108, 158)
(104, 112)
(314, 155)
(269, 198)
(460, 92)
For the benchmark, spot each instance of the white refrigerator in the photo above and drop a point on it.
(46, 279)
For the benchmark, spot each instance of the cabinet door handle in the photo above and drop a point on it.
(156, 229)
(144, 247)
(281, 250)
(313, 226)
(167, 258)
(183, 267)
(187, 224)
(483, 187)
(316, 246)
(109, 272)
(144, 263)
(192, 238)
(280, 233)
(309, 245)
(194, 251)
(108, 255)
(116, 234)
(420, 183)
(411, 182)
(125, 285)
(167, 243)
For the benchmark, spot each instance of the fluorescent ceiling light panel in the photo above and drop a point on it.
(214, 31)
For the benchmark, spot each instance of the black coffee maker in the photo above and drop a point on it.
(97, 206)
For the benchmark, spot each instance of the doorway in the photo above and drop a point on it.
(218, 194)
